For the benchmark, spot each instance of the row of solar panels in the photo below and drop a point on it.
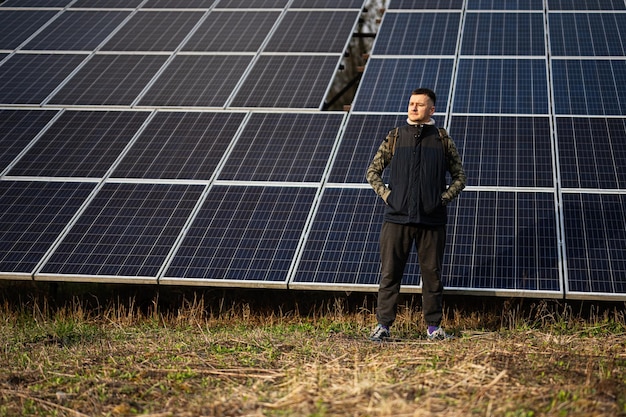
(268, 4)
(185, 31)
(217, 197)
(277, 198)
(232, 30)
(296, 147)
(484, 86)
(300, 78)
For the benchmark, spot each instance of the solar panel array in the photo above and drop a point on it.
(185, 142)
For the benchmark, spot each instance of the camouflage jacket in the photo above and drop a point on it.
(408, 184)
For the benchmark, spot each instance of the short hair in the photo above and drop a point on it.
(426, 91)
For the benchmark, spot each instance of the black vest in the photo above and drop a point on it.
(417, 177)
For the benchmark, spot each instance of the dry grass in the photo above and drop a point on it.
(208, 356)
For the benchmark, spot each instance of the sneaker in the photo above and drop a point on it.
(380, 333)
(438, 334)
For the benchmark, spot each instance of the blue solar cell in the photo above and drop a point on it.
(586, 5)
(29, 79)
(80, 144)
(17, 129)
(283, 147)
(505, 151)
(589, 87)
(503, 240)
(361, 138)
(595, 242)
(505, 5)
(154, 31)
(592, 152)
(501, 86)
(587, 34)
(287, 81)
(232, 31)
(418, 34)
(32, 215)
(244, 233)
(426, 4)
(77, 30)
(18, 25)
(126, 231)
(180, 145)
(200, 81)
(387, 83)
(503, 34)
(332, 30)
(110, 80)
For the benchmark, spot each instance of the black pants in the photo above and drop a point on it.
(396, 243)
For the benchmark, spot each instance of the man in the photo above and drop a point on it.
(418, 155)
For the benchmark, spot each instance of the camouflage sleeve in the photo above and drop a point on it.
(376, 168)
(457, 173)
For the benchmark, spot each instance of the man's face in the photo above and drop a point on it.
(420, 108)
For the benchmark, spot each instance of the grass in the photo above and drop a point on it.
(206, 354)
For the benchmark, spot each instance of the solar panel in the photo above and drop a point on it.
(16, 26)
(35, 3)
(501, 86)
(149, 30)
(197, 81)
(386, 82)
(508, 34)
(244, 234)
(288, 147)
(326, 4)
(251, 4)
(293, 33)
(32, 216)
(592, 152)
(232, 31)
(595, 242)
(404, 34)
(17, 129)
(587, 34)
(287, 81)
(77, 30)
(586, 87)
(341, 249)
(362, 136)
(125, 233)
(109, 80)
(505, 4)
(188, 4)
(426, 4)
(586, 5)
(29, 79)
(80, 144)
(106, 4)
(505, 151)
(180, 145)
(503, 241)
